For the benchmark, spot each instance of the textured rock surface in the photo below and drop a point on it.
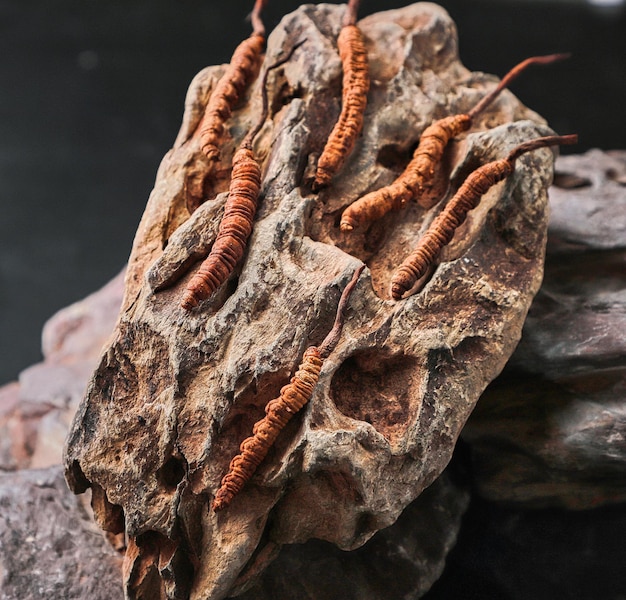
(401, 561)
(175, 393)
(552, 429)
(49, 545)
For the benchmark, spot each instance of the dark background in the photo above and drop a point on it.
(91, 96)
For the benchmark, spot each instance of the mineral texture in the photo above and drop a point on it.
(551, 431)
(176, 392)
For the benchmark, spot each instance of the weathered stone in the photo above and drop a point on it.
(49, 544)
(400, 561)
(176, 392)
(552, 429)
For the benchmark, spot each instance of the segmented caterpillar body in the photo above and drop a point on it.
(356, 85)
(441, 230)
(241, 72)
(279, 411)
(411, 184)
(234, 230)
(418, 175)
(236, 224)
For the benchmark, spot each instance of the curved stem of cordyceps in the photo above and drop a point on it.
(258, 28)
(542, 142)
(350, 16)
(249, 138)
(510, 76)
(330, 341)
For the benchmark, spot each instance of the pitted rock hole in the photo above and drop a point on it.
(389, 381)
(172, 472)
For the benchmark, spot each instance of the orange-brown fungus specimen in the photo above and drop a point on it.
(240, 73)
(467, 197)
(279, 411)
(236, 224)
(416, 178)
(356, 84)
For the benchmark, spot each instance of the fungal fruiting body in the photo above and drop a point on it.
(241, 72)
(412, 182)
(420, 171)
(236, 224)
(356, 85)
(441, 230)
(278, 412)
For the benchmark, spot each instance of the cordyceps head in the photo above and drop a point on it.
(350, 15)
(258, 28)
(542, 142)
(511, 75)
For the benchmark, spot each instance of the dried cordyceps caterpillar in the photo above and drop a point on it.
(356, 84)
(414, 181)
(279, 411)
(240, 73)
(239, 210)
(468, 196)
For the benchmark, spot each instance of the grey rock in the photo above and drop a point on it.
(552, 429)
(49, 545)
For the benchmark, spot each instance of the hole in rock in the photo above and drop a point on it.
(172, 472)
(395, 156)
(381, 389)
(76, 479)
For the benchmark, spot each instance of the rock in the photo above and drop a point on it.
(49, 545)
(35, 412)
(176, 392)
(401, 561)
(551, 430)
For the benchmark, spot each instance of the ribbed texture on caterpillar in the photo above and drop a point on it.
(234, 230)
(442, 229)
(278, 413)
(468, 196)
(356, 83)
(419, 173)
(240, 73)
(410, 184)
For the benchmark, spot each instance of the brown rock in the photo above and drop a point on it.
(176, 392)
(552, 429)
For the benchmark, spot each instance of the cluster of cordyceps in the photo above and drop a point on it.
(240, 208)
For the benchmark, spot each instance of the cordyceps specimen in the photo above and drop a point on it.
(417, 176)
(356, 84)
(442, 229)
(239, 210)
(240, 73)
(279, 411)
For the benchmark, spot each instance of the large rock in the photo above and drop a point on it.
(552, 429)
(175, 392)
(49, 545)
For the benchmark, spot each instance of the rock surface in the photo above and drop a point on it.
(551, 430)
(49, 545)
(175, 393)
